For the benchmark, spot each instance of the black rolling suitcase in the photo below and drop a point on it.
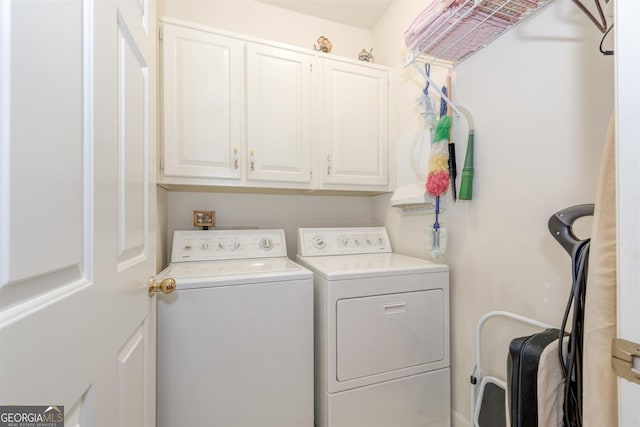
(522, 376)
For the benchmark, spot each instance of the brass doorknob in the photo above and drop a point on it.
(167, 286)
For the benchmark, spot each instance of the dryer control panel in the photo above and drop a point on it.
(212, 245)
(342, 241)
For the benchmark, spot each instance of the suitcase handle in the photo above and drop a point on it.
(561, 225)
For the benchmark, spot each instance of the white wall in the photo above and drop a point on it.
(268, 22)
(541, 97)
(388, 38)
(288, 212)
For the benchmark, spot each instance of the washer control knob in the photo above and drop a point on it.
(318, 242)
(204, 245)
(236, 245)
(187, 246)
(266, 243)
(368, 241)
(220, 245)
(379, 240)
(345, 241)
(356, 241)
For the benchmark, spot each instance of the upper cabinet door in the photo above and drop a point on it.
(353, 127)
(202, 104)
(279, 113)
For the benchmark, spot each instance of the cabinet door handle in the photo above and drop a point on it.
(328, 165)
(235, 157)
(251, 152)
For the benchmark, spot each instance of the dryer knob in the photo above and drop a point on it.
(266, 243)
(318, 242)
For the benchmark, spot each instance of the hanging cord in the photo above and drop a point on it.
(427, 70)
(436, 231)
(572, 366)
(443, 103)
(436, 224)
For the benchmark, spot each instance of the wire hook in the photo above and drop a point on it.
(606, 33)
(602, 24)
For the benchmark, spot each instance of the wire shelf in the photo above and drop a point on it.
(452, 30)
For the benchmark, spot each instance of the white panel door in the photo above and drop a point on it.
(202, 78)
(627, 55)
(279, 96)
(77, 180)
(353, 128)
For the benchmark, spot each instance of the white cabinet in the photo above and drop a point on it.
(353, 125)
(202, 81)
(242, 112)
(279, 113)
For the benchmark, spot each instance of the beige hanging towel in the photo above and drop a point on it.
(600, 400)
(551, 385)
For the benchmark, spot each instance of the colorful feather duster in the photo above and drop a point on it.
(438, 177)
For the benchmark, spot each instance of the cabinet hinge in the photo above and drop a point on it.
(160, 35)
(311, 68)
(622, 357)
(161, 164)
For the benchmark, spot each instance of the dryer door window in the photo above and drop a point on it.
(383, 333)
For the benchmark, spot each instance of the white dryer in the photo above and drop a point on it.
(235, 339)
(381, 331)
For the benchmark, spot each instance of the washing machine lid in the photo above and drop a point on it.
(191, 275)
(339, 267)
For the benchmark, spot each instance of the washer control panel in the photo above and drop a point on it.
(342, 241)
(211, 245)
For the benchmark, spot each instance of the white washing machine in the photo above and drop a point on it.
(381, 331)
(235, 339)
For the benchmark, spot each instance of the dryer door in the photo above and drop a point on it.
(383, 333)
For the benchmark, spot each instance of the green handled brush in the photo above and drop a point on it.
(466, 184)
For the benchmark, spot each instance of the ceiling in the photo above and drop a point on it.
(357, 13)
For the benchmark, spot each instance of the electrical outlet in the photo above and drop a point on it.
(204, 218)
